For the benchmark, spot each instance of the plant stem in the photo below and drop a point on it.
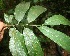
(22, 25)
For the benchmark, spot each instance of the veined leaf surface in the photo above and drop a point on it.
(34, 12)
(16, 44)
(32, 43)
(58, 37)
(57, 20)
(20, 10)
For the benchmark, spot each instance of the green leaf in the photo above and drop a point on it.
(1, 5)
(58, 37)
(20, 10)
(16, 44)
(57, 20)
(8, 18)
(32, 43)
(35, 1)
(34, 12)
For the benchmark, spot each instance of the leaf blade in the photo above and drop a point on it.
(20, 10)
(16, 44)
(58, 37)
(57, 20)
(32, 43)
(8, 18)
(34, 12)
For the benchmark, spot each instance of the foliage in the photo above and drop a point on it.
(57, 20)
(27, 43)
(32, 43)
(1, 5)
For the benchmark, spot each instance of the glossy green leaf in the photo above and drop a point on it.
(34, 12)
(8, 18)
(20, 10)
(58, 37)
(57, 20)
(32, 43)
(16, 44)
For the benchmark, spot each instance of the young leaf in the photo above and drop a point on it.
(57, 20)
(20, 10)
(8, 18)
(58, 37)
(34, 12)
(32, 43)
(16, 44)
